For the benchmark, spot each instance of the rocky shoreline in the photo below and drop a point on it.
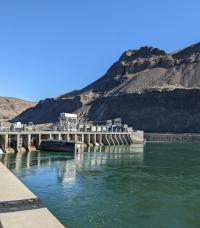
(171, 137)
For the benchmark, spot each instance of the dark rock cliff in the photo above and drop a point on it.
(148, 88)
(48, 110)
(167, 111)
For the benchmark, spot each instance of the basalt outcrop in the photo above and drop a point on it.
(148, 88)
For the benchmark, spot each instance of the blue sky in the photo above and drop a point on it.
(49, 47)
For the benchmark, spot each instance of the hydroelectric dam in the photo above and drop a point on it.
(29, 141)
(68, 131)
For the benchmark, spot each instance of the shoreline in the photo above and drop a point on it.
(172, 137)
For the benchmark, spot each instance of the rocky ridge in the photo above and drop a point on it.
(140, 85)
(10, 107)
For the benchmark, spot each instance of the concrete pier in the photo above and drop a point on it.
(29, 141)
(19, 207)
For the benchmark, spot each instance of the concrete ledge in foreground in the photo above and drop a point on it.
(19, 207)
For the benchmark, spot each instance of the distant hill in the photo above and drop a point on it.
(10, 107)
(148, 88)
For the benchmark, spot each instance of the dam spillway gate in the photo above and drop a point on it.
(30, 141)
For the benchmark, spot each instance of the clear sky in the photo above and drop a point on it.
(49, 47)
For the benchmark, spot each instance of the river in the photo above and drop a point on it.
(156, 185)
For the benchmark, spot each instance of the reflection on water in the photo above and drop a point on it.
(127, 186)
(68, 166)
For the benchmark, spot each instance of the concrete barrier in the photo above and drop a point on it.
(19, 207)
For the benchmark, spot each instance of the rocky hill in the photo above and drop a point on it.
(149, 88)
(11, 107)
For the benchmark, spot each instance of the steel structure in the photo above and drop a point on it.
(68, 121)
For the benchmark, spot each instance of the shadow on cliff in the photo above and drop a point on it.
(48, 110)
(166, 111)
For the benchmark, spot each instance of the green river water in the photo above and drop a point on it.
(157, 185)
